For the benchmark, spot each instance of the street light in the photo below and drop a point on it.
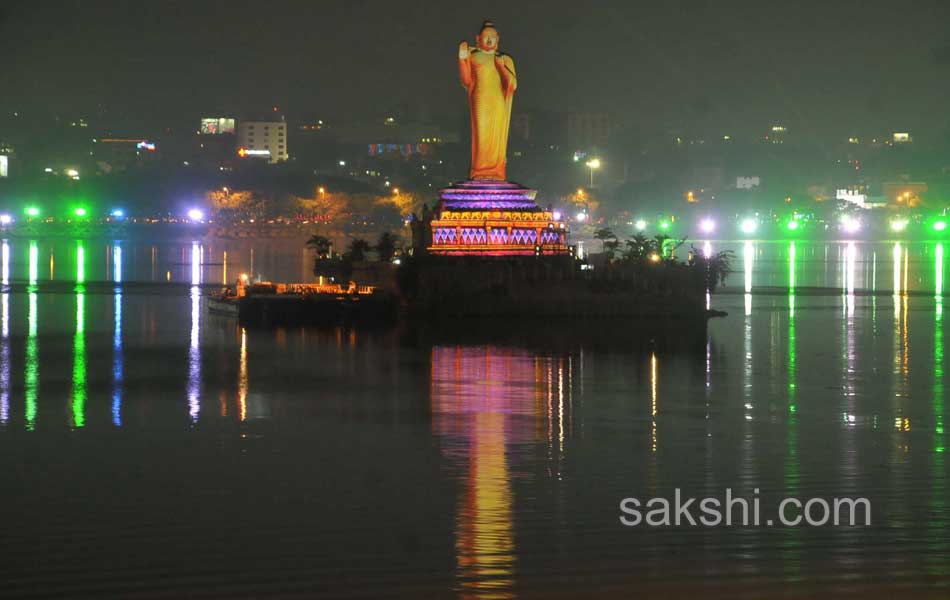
(592, 164)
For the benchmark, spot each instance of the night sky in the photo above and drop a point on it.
(703, 66)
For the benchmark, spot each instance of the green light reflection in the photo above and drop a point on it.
(80, 263)
(32, 366)
(938, 501)
(34, 262)
(938, 350)
(79, 345)
(791, 470)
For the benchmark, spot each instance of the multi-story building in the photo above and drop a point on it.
(588, 130)
(6, 152)
(263, 139)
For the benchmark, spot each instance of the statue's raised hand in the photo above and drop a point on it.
(464, 51)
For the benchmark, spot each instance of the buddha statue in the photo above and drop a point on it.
(489, 78)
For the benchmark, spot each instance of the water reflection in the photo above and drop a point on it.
(117, 358)
(32, 367)
(791, 465)
(242, 377)
(486, 402)
(938, 498)
(34, 262)
(938, 388)
(5, 336)
(851, 260)
(194, 350)
(78, 404)
(748, 258)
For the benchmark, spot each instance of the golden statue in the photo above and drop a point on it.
(489, 77)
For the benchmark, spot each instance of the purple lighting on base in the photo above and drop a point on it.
(488, 195)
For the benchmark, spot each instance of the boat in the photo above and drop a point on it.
(224, 302)
(299, 303)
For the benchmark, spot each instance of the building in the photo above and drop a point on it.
(588, 130)
(216, 143)
(6, 154)
(118, 154)
(901, 137)
(777, 134)
(263, 139)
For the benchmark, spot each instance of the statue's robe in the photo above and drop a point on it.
(490, 109)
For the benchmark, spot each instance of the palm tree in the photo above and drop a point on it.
(604, 235)
(666, 247)
(386, 246)
(321, 245)
(357, 249)
(717, 267)
(638, 247)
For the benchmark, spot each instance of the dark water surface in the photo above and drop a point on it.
(149, 448)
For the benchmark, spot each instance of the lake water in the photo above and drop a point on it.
(149, 448)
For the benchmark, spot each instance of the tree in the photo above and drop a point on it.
(357, 250)
(324, 205)
(717, 267)
(386, 246)
(228, 202)
(638, 248)
(321, 245)
(665, 247)
(604, 235)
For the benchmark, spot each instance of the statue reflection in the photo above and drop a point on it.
(486, 402)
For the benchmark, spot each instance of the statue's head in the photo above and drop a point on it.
(488, 37)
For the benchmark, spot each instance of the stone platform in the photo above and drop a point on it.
(494, 218)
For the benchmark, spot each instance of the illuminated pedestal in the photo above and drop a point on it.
(494, 218)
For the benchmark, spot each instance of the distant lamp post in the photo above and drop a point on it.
(593, 164)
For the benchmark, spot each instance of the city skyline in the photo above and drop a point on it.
(698, 66)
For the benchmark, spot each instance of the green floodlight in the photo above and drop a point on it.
(664, 225)
(792, 225)
(80, 212)
(940, 226)
(32, 211)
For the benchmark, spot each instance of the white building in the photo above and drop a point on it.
(264, 139)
